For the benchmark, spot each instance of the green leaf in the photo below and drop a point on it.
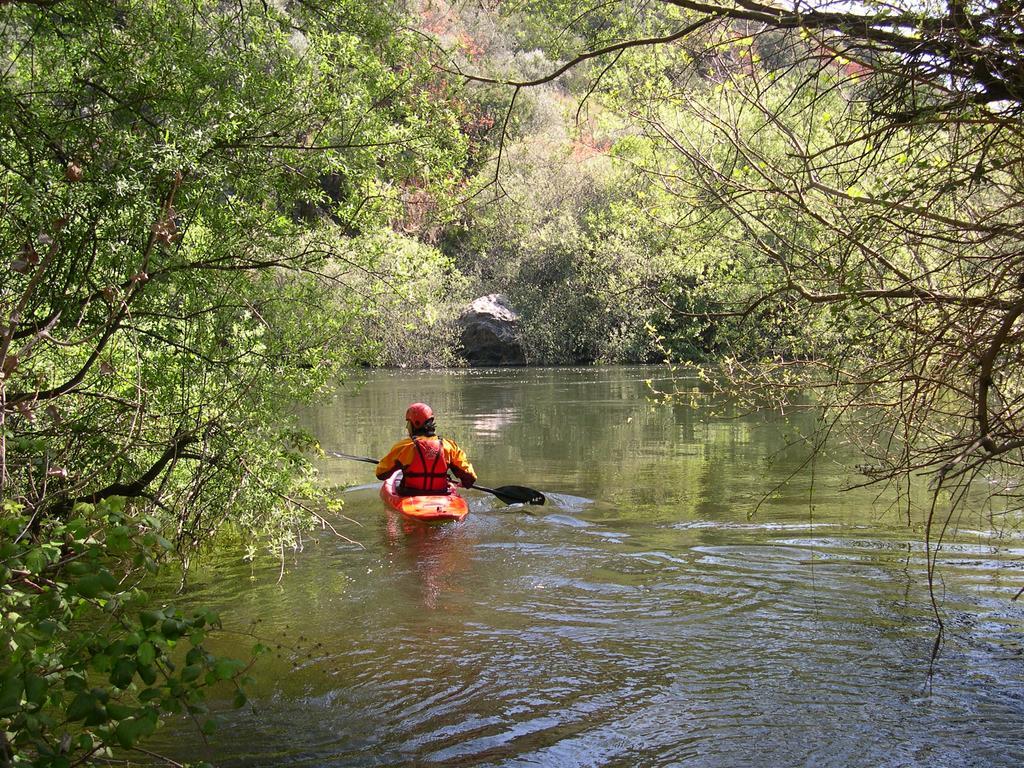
(79, 568)
(123, 672)
(118, 539)
(11, 688)
(75, 683)
(90, 586)
(97, 716)
(36, 560)
(146, 654)
(147, 674)
(36, 689)
(172, 629)
(225, 669)
(119, 711)
(129, 731)
(107, 579)
(81, 706)
(190, 673)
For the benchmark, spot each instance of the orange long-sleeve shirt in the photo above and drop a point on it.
(402, 453)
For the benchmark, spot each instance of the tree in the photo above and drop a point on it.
(864, 166)
(181, 182)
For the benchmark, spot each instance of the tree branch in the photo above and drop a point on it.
(139, 485)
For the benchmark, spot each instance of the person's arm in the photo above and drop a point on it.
(459, 464)
(391, 463)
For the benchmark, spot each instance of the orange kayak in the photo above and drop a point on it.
(429, 509)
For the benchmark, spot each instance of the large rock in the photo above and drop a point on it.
(490, 332)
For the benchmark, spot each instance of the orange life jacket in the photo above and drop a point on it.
(428, 473)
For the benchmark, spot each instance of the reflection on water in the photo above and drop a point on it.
(436, 557)
(494, 423)
(675, 603)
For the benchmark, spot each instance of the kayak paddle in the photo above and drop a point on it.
(510, 494)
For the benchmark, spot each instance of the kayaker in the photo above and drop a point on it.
(424, 458)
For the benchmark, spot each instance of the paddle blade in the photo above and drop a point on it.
(517, 494)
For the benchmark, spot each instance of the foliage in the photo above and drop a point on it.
(181, 185)
(898, 240)
(601, 261)
(406, 304)
(861, 165)
(565, 246)
(88, 665)
(857, 168)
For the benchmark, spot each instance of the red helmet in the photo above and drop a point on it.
(418, 414)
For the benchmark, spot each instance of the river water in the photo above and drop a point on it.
(695, 593)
